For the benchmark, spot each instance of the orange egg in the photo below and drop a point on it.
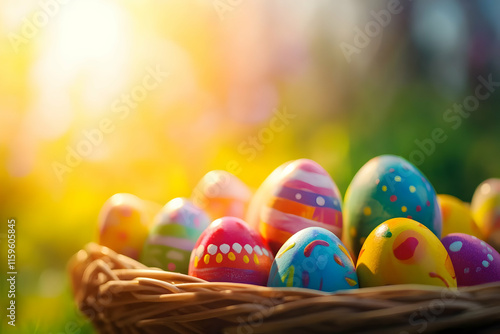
(220, 194)
(403, 251)
(457, 217)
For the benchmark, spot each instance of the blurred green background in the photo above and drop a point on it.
(242, 83)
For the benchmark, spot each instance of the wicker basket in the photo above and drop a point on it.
(120, 295)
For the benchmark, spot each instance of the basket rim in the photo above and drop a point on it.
(154, 298)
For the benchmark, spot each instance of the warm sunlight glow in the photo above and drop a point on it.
(90, 30)
(84, 64)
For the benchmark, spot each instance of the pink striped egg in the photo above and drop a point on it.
(303, 195)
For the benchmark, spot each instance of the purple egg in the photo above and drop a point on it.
(475, 261)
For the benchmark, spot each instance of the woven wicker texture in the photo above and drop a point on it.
(120, 295)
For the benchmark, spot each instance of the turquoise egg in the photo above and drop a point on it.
(387, 187)
(173, 235)
(313, 258)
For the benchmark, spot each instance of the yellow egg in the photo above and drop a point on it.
(457, 217)
(485, 207)
(403, 251)
(124, 222)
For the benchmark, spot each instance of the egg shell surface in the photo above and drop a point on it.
(387, 187)
(485, 208)
(220, 193)
(457, 217)
(403, 251)
(262, 195)
(475, 261)
(174, 233)
(229, 250)
(313, 258)
(124, 222)
(303, 196)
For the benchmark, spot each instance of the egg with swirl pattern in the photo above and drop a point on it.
(313, 258)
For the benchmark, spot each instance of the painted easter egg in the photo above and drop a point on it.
(403, 251)
(457, 217)
(229, 250)
(220, 193)
(475, 261)
(313, 258)
(304, 195)
(387, 187)
(485, 208)
(175, 230)
(124, 222)
(262, 196)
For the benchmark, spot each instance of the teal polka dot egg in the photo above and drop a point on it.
(173, 235)
(313, 258)
(387, 187)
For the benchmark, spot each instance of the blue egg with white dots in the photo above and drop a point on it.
(387, 187)
(313, 258)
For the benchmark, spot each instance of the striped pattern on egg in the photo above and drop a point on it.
(174, 233)
(304, 196)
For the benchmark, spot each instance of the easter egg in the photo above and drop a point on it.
(220, 193)
(303, 195)
(229, 250)
(456, 216)
(262, 195)
(313, 258)
(475, 261)
(403, 251)
(124, 222)
(485, 208)
(175, 230)
(387, 187)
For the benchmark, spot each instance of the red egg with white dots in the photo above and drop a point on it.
(229, 250)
